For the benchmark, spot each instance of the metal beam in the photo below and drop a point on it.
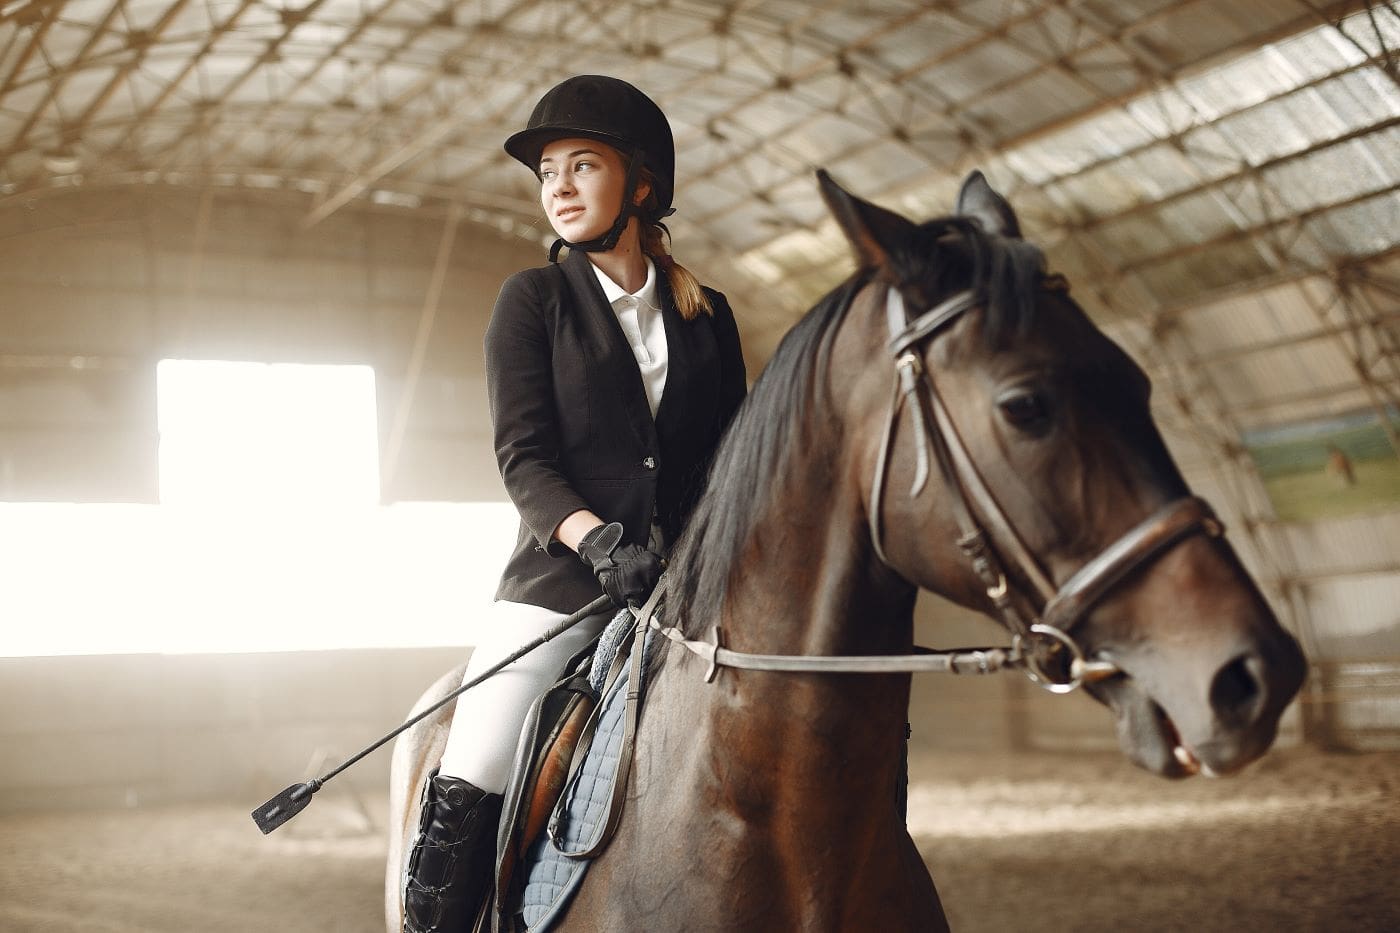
(36, 41)
(1252, 171)
(243, 78)
(1241, 351)
(131, 64)
(428, 136)
(1310, 577)
(410, 149)
(1256, 232)
(57, 82)
(394, 443)
(368, 19)
(217, 34)
(1292, 400)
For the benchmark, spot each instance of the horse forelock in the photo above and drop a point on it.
(1006, 273)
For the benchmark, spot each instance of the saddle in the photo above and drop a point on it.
(547, 744)
(556, 753)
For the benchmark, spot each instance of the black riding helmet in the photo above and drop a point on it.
(614, 112)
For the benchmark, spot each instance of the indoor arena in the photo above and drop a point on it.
(299, 389)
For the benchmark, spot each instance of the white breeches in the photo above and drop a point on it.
(488, 717)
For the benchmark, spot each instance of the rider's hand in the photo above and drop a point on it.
(627, 572)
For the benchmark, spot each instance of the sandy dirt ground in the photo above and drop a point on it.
(1304, 841)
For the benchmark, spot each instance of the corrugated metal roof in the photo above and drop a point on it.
(1219, 180)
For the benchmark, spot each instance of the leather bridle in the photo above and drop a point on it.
(1038, 636)
(982, 542)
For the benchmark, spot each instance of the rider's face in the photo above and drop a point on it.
(581, 185)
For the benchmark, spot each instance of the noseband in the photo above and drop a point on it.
(1037, 636)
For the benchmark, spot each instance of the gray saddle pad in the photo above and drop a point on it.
(551, 877)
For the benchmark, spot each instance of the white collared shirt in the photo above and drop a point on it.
(639, 313)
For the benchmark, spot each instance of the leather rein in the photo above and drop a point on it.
(1037, 636)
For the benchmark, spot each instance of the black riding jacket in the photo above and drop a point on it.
(573, 429)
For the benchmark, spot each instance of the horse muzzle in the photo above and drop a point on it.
(1177, 725)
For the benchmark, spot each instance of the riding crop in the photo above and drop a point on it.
(295, 798)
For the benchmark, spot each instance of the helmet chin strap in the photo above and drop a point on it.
(601, 244)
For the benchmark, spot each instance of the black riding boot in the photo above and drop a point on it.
(449, 872)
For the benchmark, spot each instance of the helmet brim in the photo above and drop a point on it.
(527, 145)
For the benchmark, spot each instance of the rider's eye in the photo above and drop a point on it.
(1025, 409)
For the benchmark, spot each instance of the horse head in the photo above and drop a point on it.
(1018, 471)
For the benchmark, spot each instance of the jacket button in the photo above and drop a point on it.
(649, 463)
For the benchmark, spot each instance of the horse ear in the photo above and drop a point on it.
(980, 202)
(873, 232)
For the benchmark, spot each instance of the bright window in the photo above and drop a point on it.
(240, 434)
(269, 536)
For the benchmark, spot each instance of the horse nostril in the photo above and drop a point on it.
(1237, 692)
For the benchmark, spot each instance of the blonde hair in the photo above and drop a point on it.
(691, 300)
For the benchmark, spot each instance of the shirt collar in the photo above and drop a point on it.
(645, 295)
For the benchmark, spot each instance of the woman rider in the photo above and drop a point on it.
(611, 376)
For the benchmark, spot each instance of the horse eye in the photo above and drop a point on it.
(1025, 409)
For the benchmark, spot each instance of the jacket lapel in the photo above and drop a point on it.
(599, 319)
(677, 351)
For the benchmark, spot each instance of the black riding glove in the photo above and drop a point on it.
(627, 572)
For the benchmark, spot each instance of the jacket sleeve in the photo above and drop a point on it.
(520, 391)
(733, 381)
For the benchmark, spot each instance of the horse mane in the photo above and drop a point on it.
(773, 427)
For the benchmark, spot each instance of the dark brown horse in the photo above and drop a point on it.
(1015, 468)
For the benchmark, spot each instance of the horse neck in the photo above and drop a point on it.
(808, 583)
